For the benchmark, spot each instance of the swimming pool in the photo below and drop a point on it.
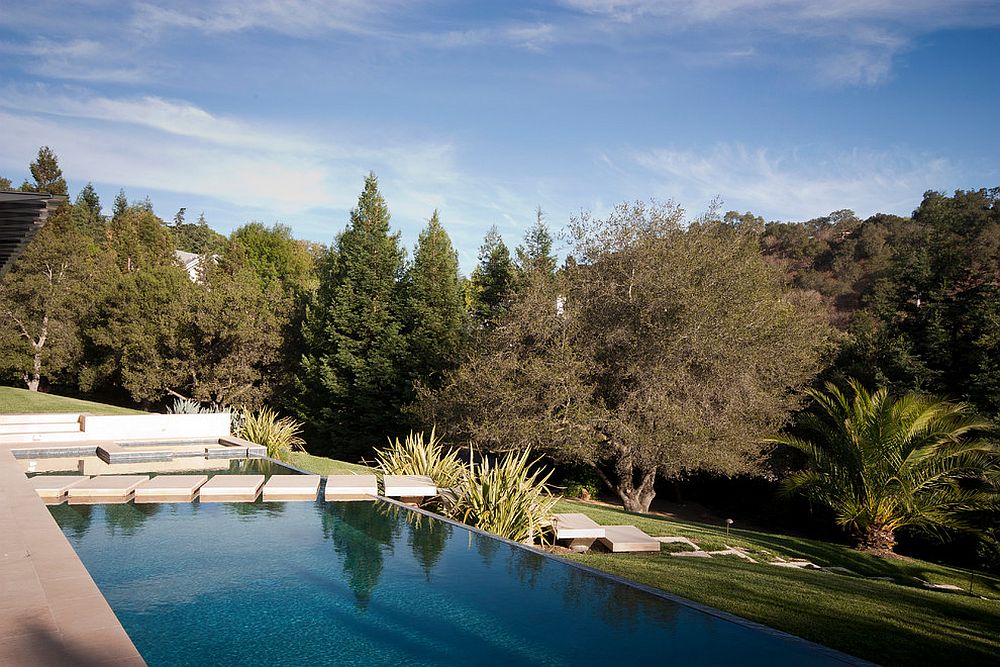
(371, 583)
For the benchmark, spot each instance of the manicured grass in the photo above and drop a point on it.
(877, 620)
(15, 401)
(320, 465)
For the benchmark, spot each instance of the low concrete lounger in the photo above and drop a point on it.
(105, 489)
(577, 530)
(231, 488)
(351, 487)
(52, 488)
(408, 486)
(291, 487)
(628, 538)
(169, 488)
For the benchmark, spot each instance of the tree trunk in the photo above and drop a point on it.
(35, 378)
(877, 538)
(637, 498)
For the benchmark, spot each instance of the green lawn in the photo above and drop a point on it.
(21, 401)
(880, 621)
(320, 465)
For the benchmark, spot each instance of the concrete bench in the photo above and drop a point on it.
(576, 531)
(618, 539)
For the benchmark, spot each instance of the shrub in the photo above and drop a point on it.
(506, 498)
(279, 434)
(187, 406)
(414, 456)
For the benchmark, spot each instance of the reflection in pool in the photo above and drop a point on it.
(368, 583)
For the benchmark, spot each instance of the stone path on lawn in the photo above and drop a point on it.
(696, 551)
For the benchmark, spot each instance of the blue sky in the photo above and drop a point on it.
(275, 110)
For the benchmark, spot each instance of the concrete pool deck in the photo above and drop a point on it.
(51, 611)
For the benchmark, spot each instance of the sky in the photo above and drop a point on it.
(275, 110)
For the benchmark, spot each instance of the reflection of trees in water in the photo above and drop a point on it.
(487, 548)
(524, 565)
(246, 511)
(74, 518)
(359, 534)
(127, 518)
(619, 605)
(427, 538)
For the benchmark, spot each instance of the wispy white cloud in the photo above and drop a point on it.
(843, 42)
(77, 59)
(795, 184)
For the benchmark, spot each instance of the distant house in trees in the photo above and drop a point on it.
(192, 262)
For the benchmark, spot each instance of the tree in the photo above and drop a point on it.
(137, 337)
(671, 350)
(352, 381)
(41, 299)
(139, 240)
(198, 238)
(121, 205)
(5, 184)
(435, 307)
(493, 281)
(87, 213)
(535, 255)
(883, 463)
(275, 256)
(47, 174)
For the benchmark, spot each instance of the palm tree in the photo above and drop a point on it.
(882, 463)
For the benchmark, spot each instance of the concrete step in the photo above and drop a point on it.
(55, 427)
(75, 436)
(53, 418)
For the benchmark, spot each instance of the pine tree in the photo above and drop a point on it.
(47, 174)
(87, 214)
(121, 205)
(352, 383)
(535, 255)
(435, 310)
(493, 281)
(88, 198)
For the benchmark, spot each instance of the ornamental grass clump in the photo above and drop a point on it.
(279, 434)
(415, 456)
(509, 498)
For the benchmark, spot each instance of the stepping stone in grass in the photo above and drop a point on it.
(691, 554)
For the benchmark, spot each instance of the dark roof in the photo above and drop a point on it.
(22, 214)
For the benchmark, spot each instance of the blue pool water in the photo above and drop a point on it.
(369, 583)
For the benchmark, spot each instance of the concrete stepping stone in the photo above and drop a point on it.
(105, 489)
(53, 487)
(408, 486)
(351, 487)
(698, 553)
(677, 539)
(169, 489)
(576, 531)
(731, 551)
(796, 564)
(231, 488)
(619, 539)
(946, 588)
(292, 487)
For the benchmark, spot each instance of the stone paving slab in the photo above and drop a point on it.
(166, 488)
(230, 488)
(627, 538)
(106, 486)
(53, 487)
(292, 487)
(408, 486)
(351, 487)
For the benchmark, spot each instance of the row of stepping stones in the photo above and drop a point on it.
(698, 552)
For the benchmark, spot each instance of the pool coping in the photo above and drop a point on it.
(51, 612)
